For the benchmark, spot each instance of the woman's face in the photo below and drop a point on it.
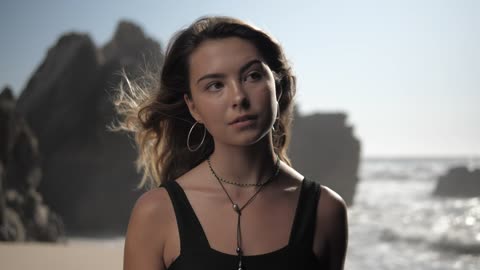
(233, 91)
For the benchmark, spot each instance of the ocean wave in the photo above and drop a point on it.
(405, 169)
(448, 225)
(442, 243)
(452, 245)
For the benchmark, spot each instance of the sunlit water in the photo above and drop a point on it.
(396, 223)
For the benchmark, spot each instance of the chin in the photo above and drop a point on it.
(252, 139)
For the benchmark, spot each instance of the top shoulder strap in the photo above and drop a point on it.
(306, 214)
(192, 237)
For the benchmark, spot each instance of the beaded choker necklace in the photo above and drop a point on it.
(237, 208)
(235, 183)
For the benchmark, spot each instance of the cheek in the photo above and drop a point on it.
(267, 93)
(265, 101)
(212, 112)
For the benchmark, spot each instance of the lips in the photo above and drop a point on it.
(243, 118)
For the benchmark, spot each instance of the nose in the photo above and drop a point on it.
(239, 96)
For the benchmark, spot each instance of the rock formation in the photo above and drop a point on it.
(90, 172)
(459, 182)
(324, 149)
(23, 214)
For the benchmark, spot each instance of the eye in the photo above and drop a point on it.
(214, 86)
(254, 76)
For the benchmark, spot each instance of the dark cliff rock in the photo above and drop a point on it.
(459, 182)
(89, 172)
(23, 214)
(324, 149)
(128, 46)
(7, 122)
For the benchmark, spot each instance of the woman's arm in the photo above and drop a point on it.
(332, 228)
(145, 238)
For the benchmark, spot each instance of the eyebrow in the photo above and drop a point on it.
(220, 75)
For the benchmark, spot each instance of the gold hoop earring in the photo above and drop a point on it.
(190, 133)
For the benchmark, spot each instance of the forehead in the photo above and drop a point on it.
(221, 56)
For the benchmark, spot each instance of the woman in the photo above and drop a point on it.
(214, 134)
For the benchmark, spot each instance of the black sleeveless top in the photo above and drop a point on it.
(196, 253)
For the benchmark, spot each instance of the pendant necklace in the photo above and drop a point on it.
(237, 208)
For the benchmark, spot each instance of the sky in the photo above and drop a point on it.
(407, 73)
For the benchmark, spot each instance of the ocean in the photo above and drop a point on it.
(396, 223)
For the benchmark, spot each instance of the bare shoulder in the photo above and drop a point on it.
(149, 223)
(330, 205)
(331, 212)
(153, 208)
(331, 236)
(152, 201)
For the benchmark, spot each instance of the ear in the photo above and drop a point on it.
(192, 108)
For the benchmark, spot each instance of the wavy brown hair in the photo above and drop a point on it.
(153, 107)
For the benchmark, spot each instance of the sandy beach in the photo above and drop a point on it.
(76, 254)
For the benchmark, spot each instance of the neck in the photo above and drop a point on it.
(245, 164)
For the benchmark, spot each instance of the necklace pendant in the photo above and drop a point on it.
(236, 208)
